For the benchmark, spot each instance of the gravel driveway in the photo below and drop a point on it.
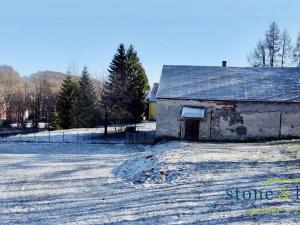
(81, 184)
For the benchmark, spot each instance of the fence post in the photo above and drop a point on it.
(20, 137)
(49, 136)
(63, 137)
(77, 137)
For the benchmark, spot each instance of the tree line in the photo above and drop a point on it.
(77, 101)
(275, 49)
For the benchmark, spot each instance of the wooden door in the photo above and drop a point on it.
(192, 129)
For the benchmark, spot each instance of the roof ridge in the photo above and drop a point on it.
(231, 83)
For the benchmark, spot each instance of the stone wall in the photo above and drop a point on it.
(228, 120)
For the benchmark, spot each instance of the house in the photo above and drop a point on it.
(152, 101)
(228, 103)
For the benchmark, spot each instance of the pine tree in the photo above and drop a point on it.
(125, 90)
(55, 121)
(115, 88)
(138, 86)
(86, 101)
(66, 104)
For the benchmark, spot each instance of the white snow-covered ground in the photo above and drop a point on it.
(81, 135)
(169, 183)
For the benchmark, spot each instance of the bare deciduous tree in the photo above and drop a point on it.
(10, 82)
(19, 106)
(42, 100)
(296, 52)
(273, 43)
(258, 57)
(286, 48)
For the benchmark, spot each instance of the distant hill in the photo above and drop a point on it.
(56, 79)
(50, 75)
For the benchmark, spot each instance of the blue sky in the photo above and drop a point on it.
(51, 34)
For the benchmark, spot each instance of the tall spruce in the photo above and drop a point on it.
(125, 91)
(115, 94)
(86, 101)
(138, 86)
(66, 104)
(55, 122)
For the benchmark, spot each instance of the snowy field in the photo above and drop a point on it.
(169, 183)
(81, 135)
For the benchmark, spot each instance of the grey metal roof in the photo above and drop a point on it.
(230, 83)
(152, 94)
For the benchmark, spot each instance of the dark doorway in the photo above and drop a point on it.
(192, 130)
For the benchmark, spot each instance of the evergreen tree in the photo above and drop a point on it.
(55, 121)
(138, 86)
(115, 88)
(66, 104)
(86, 101)
(125, 90)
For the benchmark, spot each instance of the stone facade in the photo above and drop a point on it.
(231, 120)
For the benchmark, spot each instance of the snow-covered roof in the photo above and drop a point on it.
(192, 112)
(152, 94)
(230, 83)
